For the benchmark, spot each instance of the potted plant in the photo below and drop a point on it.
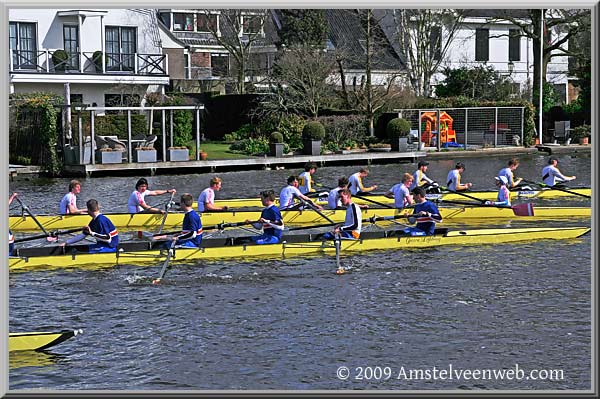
(177, 154)
(397, 132)
(203, 155)
(312, 134)
(97, 60)
(276, 144)
(109, 155)
(582, 133)
(144, 154)
(60, 59)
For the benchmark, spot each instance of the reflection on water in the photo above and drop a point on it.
(19, 359)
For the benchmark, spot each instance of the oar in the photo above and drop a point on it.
(464, 195)
(167, 207)
(48, 236)
(314, 208)
(518, 210)
(556, 188)
(219, 226)
(26, 209)
(163, 271)
(365, 198)
(372, 219)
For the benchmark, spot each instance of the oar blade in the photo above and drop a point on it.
(523, 209)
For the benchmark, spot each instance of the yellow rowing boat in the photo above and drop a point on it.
(146, 221)
(143, 253)
(36, 341)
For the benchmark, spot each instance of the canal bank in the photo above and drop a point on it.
(348, 158)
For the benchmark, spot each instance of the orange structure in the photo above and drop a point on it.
(429, 122)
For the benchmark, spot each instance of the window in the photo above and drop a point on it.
(183, 22)
(207, 23)
(435, 39)
(121, 100)
(514, 45)
(71, 46)
(76, 99)
(482, 45)
(252, 24)
(561, 91)
(219, 64)
(22, 40)
(120, 48)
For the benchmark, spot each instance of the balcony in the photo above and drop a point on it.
(85, 63)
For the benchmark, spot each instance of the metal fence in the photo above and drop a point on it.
(482, 126)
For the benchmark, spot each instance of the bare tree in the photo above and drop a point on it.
(424, 36)
(300, 80)
(238, 32)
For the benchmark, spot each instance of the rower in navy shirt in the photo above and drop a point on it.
(426, 212)
(191, 231)
(270, 220)
(100, 228)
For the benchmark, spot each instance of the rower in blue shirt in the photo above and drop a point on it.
(427, 214)
(191, 230)
(100, 228)
(270, 220)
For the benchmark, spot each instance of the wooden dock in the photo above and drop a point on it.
(352, 158)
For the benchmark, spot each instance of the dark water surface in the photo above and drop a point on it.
(291, 323)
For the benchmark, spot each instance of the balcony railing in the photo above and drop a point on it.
(86, 63)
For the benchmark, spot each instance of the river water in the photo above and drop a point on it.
(293, 324)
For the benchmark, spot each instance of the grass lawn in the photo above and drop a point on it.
(220, 150)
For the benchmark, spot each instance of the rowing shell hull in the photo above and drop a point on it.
(290, 249)
(152, 222)
(35, 341)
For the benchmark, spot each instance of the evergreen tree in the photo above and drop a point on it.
(303, 27)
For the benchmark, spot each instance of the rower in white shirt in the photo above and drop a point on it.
(289, 194)
(552, 176)
(453, 179)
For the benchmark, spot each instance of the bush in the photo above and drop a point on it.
(342, 131)
(397, 128)
(276, 137)
(59, 59)
(581, 132)
(244, 132)
(290, 126)
(251, 146)
(116, 125)
(313, 131)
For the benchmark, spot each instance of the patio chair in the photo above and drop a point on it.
(117, 144)
(150, 140)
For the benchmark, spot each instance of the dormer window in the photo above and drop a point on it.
(252, 24)
(183, 22)
(207, 23)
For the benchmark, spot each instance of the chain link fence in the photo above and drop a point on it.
(462, 127)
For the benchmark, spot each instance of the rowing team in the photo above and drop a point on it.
(271, 222)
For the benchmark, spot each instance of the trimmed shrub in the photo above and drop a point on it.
(342, 131)
(276, 137)
(313, 131)
(59, 59)
(397, 128)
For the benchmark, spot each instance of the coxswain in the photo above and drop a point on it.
(503, 192)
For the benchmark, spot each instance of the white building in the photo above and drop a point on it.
(483, 40)
(113, 56)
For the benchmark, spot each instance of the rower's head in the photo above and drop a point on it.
(141, 185)
(501, 180)
(345, 196)
(93, 207)
(407, 179)
(553, 161)
(513, 163)
(267, 197)
(419, 194)
(343, 182)
(364, 172)
(75, 186)
(186, 201)
(422, 166)
(292, 181)
(310, 167)
(216, 183)
(460, 167)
